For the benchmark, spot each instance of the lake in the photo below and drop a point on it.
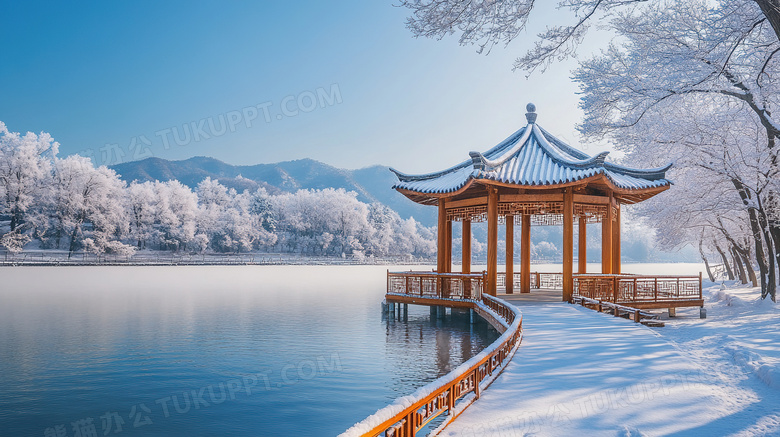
(215, 350)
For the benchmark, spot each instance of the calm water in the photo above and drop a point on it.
(211, 350)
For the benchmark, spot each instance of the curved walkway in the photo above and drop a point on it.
(579, 372)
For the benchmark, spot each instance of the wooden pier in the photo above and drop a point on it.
(453, 392)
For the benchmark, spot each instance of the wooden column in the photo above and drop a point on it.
(510, 254)
(492, 243)
(582, 247)
(525, 254)
(466, 263)
(616, 240)
(448, 256)
(606, 239)
(568, 245)
(441, 247)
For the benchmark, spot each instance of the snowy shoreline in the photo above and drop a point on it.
(607, 376)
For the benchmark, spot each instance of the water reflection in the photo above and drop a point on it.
(78, 343)
(422, 342)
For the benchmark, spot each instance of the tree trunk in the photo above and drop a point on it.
(771, 253)
(758, 237)
(738, 265)
(749, 266)
(706, 263)
(729, 272)
(73, 236)
(771, 10)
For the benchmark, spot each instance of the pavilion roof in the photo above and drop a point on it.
(532, 157)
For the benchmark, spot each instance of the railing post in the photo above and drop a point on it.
(655, 289)
(614, 290)
(451, 400)
(476, 382)
(421, 285)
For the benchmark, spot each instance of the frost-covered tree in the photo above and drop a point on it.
(88, 202)
(487, 23)
(141, 203)
(68, 203)
(693, 81)
(25, 173)
(233, 222)
(176, 215)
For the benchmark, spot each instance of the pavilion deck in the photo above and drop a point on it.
(635, 291)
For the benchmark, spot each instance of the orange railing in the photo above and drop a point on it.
(436, 285)
(638, 288)
(453, 392)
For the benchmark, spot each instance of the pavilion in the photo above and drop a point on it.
(532, 178)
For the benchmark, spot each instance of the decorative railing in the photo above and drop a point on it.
(638, 288)
(436, 285)
(538, 280)
(455, 391)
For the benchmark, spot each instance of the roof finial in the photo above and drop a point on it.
(531, 114)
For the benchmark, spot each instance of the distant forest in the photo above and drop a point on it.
(68, 204)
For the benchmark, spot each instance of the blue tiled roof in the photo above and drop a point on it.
(531, 157)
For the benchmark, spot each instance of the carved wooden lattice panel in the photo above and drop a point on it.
(594, 288)
(475, 214)
(592, 213)
(531, 208)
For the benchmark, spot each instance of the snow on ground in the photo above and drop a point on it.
(582, 372)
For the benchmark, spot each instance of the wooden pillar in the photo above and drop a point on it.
(525, 254)
(568, 245)
(466, 263)
(582, 248)
(510, 254)
(441, 247)
(448, 246)
(606, 239)
(492, 243)
(616, 240)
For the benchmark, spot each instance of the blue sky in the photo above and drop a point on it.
(116, 80)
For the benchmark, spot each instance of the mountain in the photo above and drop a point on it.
(372, 184)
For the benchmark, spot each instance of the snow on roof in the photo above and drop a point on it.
(531, 157)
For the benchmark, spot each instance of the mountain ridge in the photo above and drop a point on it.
(372, 183)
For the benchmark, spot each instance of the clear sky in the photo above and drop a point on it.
(258, 82)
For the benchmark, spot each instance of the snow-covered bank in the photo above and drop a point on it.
(158, 258)
(582, 372)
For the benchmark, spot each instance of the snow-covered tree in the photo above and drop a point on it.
(487, 23)
(176, 215)
(696, 82)
(25, 173)
(88, 203)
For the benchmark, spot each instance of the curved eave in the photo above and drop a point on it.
(625, 195)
